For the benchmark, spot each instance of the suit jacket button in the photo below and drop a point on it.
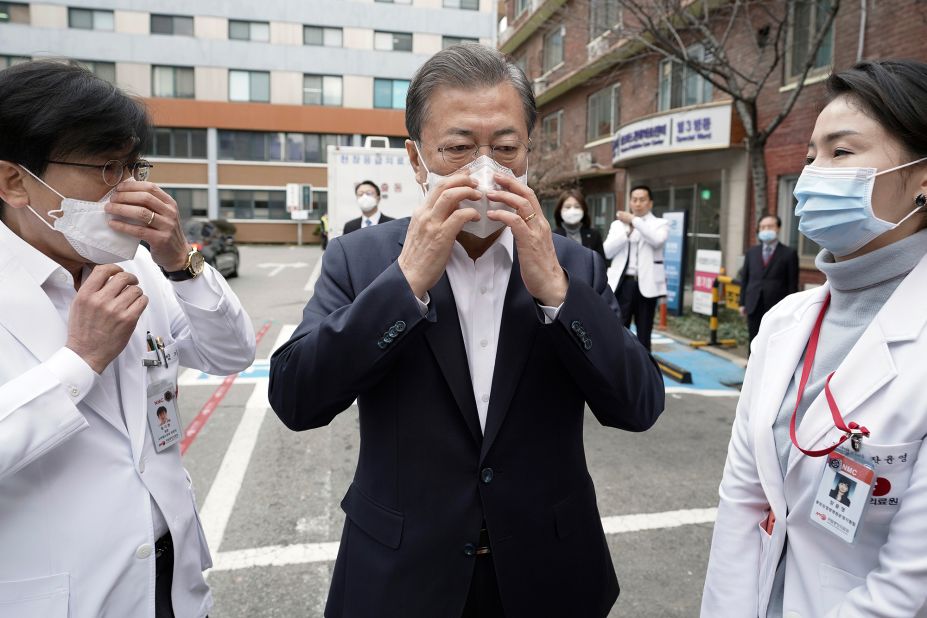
(587, 343)
(400, 326)
(576, 325)
(393, 332)
(469, 549)
(486, 475)
(382, 344)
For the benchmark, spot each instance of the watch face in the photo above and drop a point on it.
(197, 263)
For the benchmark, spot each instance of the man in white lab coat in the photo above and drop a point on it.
(97, 514)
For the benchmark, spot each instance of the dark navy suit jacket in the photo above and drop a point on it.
(426, 476)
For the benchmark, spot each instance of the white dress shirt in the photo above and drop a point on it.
(479, 288)
(374, 219)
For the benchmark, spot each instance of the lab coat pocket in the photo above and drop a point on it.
(893, 466)
(659, 273)
(42, 597)
(205, 556)
(835, 584)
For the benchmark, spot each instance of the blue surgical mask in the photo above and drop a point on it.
(767, 236)
(835, 206)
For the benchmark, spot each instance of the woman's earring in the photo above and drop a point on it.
(921, 200)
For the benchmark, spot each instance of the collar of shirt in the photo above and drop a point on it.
(375, 219)
(39, 266)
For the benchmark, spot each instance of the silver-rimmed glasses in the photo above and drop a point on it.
(114, 170)
(508, 152)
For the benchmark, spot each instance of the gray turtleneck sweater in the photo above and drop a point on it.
(858, 289)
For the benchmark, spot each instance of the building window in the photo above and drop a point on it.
(321, 90)
(553, 48)
(253, 86)
(178, 25)
(521, 6)
(789, 234)
(103, 70)
(603, 16)
(90, 19)
(291, 147)
(395, 1)
(179, 143)
(552, 131)
(317, 35)
(470, 5)
(392, 41)
(390, 93)
(522, 63)
(239, 204)
(603, 113)
(601, 210)
(173, 82)
(190, 202)
(8, 61)
(680, 85)
(14, 13)
(447, 41)
(249, 31)
(807, 17)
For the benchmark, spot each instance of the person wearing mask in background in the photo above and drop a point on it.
(472, 339)
(844, 359)
(97, 514)
(769, 274)
(572, 218)
(635, 246)
(368, 200)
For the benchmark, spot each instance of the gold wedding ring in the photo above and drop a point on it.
(530, 217)
(151, 218)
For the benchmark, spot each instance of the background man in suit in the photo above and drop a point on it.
(635, 246)
(368, 200)
(769, 274)
(472, 339)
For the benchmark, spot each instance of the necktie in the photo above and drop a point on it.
(367, 222)
(767, 253)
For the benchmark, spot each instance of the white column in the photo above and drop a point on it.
(212, 172)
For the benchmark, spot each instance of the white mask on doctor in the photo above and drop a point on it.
(482, 170)
(86, 226)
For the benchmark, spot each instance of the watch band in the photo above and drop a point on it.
(184, 274)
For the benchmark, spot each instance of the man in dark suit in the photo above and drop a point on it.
(368, 200)
(472, 356)
(769, 274)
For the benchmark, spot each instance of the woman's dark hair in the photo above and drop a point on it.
(577, 195)
(370, 183)
(894, 93)
(52, 110)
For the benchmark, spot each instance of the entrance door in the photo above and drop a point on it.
(703, 203)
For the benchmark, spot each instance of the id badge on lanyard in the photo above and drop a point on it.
(847, 479)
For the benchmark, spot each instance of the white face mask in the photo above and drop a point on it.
(571, 216)
(367, 203)
(482, 170)
(86, 226)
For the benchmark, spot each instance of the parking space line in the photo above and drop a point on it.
(305, 553)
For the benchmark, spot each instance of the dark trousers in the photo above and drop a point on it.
(164, 573)
(483, 600)
(753, 323)
(634, 305)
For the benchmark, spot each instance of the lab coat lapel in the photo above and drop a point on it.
(31, 317)
(519, 326)
(446, 342)
(133, 388)
(784, 350)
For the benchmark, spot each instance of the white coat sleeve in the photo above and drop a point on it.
(653, 231)
(38, 409)
(616, 239)
(731, 583)
(212, 330)
(897, 587)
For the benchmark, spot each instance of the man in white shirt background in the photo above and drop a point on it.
(368, 200)
(635, 246)
(97, 516)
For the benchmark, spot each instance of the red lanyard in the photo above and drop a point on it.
(850, 430)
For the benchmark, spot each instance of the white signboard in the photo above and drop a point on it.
(292, 196)
(707, 268)
(690, 129)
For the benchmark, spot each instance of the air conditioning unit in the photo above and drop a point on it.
(540, 85)
(598, 46)
(584, 161)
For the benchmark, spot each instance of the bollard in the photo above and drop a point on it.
(713, 320)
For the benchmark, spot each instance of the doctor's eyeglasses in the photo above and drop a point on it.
(114, 171)
(508, 152)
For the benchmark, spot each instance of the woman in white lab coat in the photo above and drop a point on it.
(844, 359)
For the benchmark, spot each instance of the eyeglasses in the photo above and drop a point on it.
(114, 170)
(506, 152)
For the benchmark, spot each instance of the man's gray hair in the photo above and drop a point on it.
(465, 66)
